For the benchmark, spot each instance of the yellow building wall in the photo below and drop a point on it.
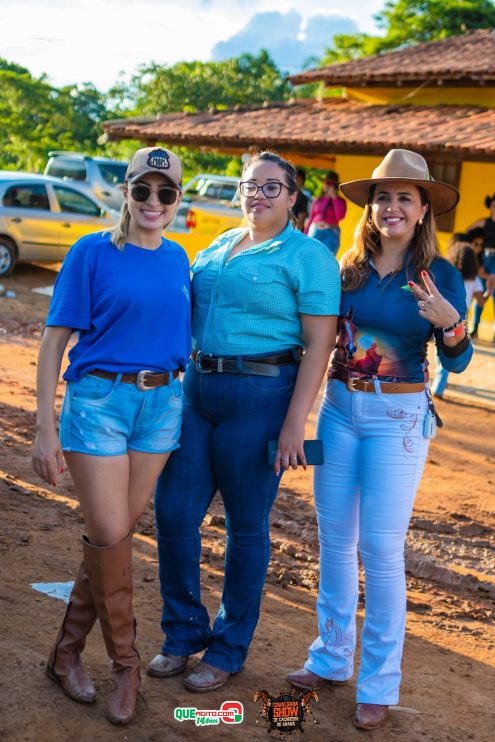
(432, 95)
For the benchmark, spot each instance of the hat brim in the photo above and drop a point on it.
(443, 197)
(138, 175)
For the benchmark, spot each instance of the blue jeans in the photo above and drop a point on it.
(364, 493)
(107, 417)
(330, 237)
(227, 422)
(441, 378)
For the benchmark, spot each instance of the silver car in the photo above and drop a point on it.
(41, 217)
(98, 176)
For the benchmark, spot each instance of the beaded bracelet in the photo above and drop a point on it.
(452, 327)
(453, 333)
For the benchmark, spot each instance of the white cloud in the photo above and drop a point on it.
(93, 40)
(290, 39)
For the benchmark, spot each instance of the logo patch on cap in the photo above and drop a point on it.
(159, 159)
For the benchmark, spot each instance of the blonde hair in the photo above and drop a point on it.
(421, 251)
(120, 233)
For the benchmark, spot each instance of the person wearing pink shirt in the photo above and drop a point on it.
(326, 212)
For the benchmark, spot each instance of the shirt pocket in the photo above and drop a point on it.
(254, 286)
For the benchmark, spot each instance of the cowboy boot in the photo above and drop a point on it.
(110, 573)
(64, 665)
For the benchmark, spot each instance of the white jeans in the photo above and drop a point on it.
(364, 493)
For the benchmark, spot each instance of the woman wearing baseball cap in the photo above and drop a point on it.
(376, 420)
(126, 294)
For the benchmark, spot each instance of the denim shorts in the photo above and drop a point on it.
(105, 417)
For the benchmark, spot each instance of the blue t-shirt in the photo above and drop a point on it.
(252, 303)
(131, 307)
(381, 334)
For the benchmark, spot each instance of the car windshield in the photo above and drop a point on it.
(112, 172)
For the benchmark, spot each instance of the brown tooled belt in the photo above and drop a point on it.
(387, 387)
(142, 379)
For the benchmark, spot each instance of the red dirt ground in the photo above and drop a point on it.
(449, 675)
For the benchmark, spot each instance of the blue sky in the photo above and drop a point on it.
(75, 41)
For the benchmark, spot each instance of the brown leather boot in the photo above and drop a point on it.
(64, 665)
(370, 715)
(110, 572)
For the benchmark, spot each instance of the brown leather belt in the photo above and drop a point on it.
(264, 366)
(387, 387)
(143, 379)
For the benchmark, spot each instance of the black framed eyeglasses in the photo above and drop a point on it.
(272, 189)
(166, 195)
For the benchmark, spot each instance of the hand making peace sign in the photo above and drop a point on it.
(432, 305)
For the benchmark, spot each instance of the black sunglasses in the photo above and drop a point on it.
(142, 192)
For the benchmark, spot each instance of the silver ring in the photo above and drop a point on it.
(422, 305)
(285, 458)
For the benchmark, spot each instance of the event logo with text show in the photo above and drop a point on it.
(287, 712)
(230, 712)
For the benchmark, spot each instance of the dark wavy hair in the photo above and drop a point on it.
(465, 260)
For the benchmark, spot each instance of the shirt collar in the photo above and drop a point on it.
(274, 243)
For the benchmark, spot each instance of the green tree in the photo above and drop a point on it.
(408, 22)
(199, 86)
(36, 117)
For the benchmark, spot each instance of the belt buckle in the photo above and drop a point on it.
(350, 384)
(140, 380)
(198, 363)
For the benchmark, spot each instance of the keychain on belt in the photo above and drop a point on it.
(432, 418)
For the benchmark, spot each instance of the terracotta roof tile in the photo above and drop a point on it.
(455, 60)
(332, 125)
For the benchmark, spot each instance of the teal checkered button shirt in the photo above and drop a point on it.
(252, 303)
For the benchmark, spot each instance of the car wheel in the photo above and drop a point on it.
(8, 256)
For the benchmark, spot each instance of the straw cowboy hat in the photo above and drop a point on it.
(399, 165)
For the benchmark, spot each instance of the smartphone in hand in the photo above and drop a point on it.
(313, 450)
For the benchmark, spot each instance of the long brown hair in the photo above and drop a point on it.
(421, 251)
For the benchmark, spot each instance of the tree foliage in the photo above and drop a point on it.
(199, 86)
(408, 22)
(36, 117)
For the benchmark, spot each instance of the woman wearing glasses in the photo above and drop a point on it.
(259, 295)
(126, 294)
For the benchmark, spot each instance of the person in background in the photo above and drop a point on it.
(455, 240)
(326, 212)
(126, 294)
(376, 420)
(466, 261)
(260, 294)
(487, 257)
(300, 208)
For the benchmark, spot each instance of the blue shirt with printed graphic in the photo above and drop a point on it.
(381, 334)
(131, 307)
(251, 304)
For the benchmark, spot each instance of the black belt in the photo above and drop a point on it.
(143, 379)
(265, 366)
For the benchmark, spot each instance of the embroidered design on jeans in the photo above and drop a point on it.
(335, 639)
(410, 422)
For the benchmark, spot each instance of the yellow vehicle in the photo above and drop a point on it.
(203, 223)
(209, 207)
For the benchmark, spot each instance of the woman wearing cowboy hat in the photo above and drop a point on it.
(376, 419)
(326, 212)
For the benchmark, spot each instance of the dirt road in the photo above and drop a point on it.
(449, 674)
